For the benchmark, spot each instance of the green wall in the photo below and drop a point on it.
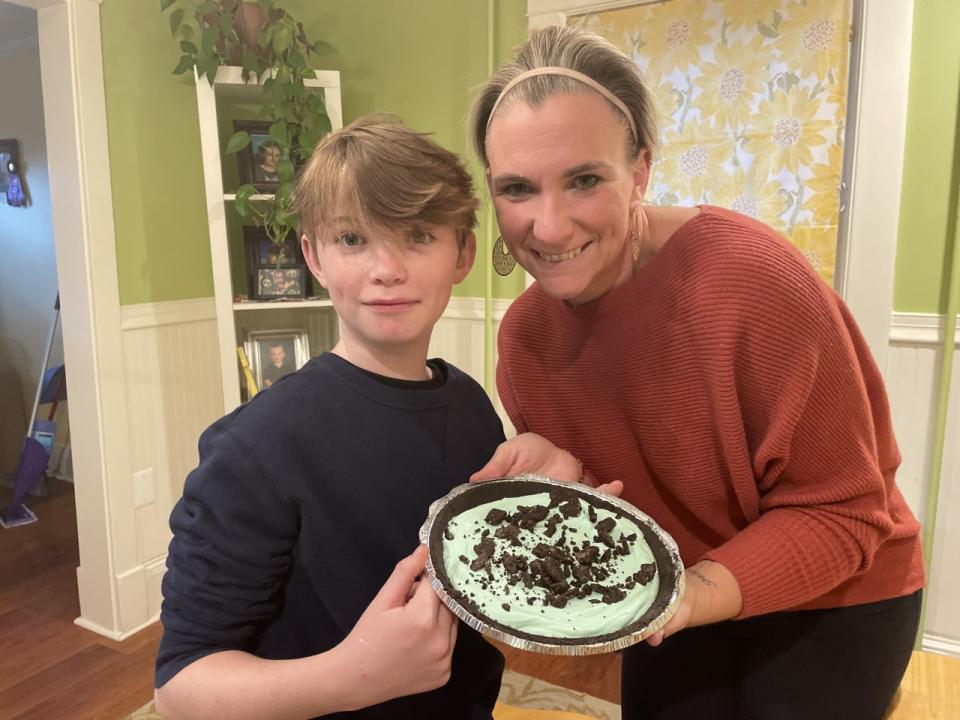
(421, 60)
(930, 173)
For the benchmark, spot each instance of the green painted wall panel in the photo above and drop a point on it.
(159, 210)
(421, 60)
(927, 211)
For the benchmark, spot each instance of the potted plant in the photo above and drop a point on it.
(273, 49)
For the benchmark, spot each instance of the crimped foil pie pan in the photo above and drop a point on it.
(464, 497)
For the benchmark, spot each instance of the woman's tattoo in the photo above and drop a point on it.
(702, 578)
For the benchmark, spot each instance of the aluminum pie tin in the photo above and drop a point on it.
(464, 497)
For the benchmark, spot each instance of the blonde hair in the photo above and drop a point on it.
(380, 172)
(577, 50)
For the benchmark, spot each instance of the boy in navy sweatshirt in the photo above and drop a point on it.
(292, 586)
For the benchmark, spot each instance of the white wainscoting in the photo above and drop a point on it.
(458, 339)
(912, 377)
(173, 391)
(171, 369)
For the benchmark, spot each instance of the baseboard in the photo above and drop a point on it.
(113, 634)
(942, 645)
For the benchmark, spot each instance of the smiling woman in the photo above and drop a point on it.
(709, 368)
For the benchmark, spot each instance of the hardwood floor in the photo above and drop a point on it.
(49, 667)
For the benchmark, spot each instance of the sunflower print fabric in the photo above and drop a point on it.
(751, 101)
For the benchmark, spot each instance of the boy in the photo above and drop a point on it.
(279, 600)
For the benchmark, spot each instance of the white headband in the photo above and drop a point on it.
(576, 75)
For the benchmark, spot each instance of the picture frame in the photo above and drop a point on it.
(261, 250)
(273, 283)
(272, 275)
(9, 153)
(257, 161)
(276, 352)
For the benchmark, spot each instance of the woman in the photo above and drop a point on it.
(692, 359)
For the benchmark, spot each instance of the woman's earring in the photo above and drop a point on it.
(503, 261)
(640, 220)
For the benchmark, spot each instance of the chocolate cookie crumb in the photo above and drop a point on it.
(496, 516)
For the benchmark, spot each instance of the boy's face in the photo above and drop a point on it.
(389, 286)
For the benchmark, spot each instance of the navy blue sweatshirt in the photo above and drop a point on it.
(304, 500)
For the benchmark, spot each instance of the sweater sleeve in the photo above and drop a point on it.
(231, 548)
(807, 415)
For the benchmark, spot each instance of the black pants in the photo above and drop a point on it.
(815, 664)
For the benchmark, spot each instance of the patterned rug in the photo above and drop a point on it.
(517, 692)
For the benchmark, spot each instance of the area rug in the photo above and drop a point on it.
(516, 691)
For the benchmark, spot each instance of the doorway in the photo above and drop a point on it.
(68, 40)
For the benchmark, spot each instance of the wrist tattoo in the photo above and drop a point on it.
(702, 578)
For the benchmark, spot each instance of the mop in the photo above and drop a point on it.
(36, 445)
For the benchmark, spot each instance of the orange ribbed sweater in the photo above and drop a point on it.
(729, 388)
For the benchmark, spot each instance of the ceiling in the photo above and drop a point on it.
(16, 23)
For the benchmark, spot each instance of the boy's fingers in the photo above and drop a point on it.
(424, 599)
(395, 590)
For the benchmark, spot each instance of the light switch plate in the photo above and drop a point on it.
(143, 491)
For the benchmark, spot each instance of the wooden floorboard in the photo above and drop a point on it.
(49, 666)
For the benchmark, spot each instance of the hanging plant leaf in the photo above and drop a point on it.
(282, 37)
(186, 63)
(322, 48)
(164, 4)
(176, 17)
(238, 141)
(242, 201)
(188, 47)
(281, 133)
(285, 170)
(207, 38)
(323, 122)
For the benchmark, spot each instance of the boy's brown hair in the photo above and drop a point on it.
(380, 172)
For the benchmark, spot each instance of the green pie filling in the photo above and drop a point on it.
(580, 617)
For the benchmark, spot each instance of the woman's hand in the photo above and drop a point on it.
(711, 595)
(529, 452)
(403, 642)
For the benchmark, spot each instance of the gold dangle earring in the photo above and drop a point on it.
(642, 227)
(503, 261)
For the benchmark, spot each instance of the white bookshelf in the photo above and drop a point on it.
(234, 317)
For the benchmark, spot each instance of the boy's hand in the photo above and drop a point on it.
(403, 642)
(529, 452)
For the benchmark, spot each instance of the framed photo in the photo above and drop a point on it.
(283, 282)
(8, 154)
(275, 352)
(258, 160)
(261, 250)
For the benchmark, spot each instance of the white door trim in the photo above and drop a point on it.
(80, 187)
(879, 131)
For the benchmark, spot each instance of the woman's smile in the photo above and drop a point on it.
(562, 257)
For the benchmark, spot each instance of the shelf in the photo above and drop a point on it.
(231, 88)
(282, 304)
(232, 197)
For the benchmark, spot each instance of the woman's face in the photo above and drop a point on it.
(271, 156)
(563, 190)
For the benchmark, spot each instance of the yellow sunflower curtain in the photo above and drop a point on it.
(751, 97)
